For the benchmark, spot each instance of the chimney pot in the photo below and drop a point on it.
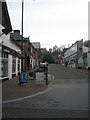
(17, 31)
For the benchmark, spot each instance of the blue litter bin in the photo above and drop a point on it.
(24, 77)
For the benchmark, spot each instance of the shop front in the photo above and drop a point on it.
(10, 63)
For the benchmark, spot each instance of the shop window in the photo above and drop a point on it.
(5, 55)
(3, 65)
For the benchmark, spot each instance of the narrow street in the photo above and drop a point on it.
(65, 97)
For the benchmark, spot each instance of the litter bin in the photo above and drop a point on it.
(23, 77)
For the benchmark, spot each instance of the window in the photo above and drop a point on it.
(4, 65)
(5, 55)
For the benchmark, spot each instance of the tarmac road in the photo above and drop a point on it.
(66, 97)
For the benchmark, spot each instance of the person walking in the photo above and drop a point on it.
(66, 63)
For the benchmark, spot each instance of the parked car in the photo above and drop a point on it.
(43, 64)
(43, 67)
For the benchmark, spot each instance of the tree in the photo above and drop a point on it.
(50, 50)
(55, 48)
(48, 57)
(87, 43)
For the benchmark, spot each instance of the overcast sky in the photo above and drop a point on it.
(51, 22)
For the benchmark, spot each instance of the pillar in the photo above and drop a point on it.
(16, 66)
(10, 66)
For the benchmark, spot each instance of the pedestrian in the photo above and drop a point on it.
(46, 69)
(66, 63)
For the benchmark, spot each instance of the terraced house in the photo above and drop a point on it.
(30, 53)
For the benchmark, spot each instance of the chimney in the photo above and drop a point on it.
(17, 32)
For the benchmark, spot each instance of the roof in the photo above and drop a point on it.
(5, 18)
(26, 39)
(76, 43)
(15, 41)
(16, 36)
(36, 45)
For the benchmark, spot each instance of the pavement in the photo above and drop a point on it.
(82, 70)
(12, 90)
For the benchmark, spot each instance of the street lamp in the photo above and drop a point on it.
(22, 46)
(22, 37)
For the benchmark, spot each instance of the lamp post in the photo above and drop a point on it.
(22, 38)
(22, 46)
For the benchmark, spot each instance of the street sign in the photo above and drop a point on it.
(40, 78)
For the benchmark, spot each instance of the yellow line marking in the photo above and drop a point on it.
(51, 77)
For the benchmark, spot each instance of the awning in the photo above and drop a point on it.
(10, 51)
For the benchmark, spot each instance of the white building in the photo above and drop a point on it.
(73, 56)
(86, 56)
(9, 62)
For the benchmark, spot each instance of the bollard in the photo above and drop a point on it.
(19, 78)
(46, 79)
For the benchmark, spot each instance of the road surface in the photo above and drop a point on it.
(66, 97)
